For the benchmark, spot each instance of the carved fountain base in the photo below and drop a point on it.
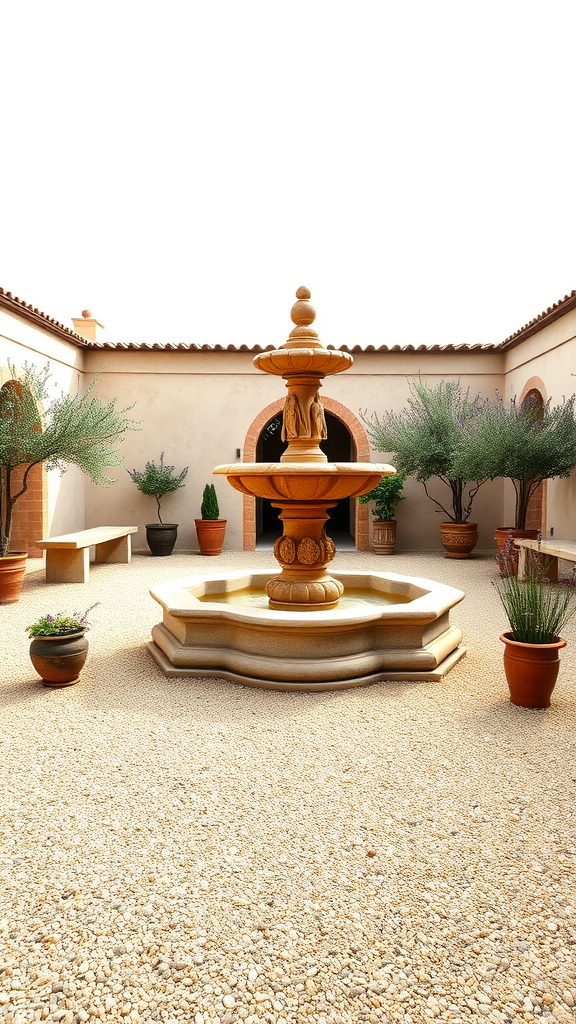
(386, 627)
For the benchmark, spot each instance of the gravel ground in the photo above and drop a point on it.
(186, 850)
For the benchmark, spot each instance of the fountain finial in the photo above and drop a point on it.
(303, 314)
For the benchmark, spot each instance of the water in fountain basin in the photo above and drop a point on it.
(354, 597)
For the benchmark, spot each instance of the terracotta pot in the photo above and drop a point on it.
(59, 659)
(161, 538)
(531, 671)
(210, 535)
(501, 536)
(384, 536)
(459, 539)
(12, 569)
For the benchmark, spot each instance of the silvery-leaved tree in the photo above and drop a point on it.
(77, 430)
(426, 439)
(527, 442)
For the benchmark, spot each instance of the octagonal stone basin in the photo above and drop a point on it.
(386, 627)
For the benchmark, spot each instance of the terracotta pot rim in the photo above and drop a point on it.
(385, 520)
(216, 522)
(506, 638)
(15, 554)
(451, 525)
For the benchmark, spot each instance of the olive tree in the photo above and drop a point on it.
(75, 430)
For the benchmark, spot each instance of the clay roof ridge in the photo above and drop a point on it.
(33, 313)
(547, 316)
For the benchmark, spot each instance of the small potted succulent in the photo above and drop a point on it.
(537, 611)
(156, 481)
(59, 648)
(386, 496)
(210, 528)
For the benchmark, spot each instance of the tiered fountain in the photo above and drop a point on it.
(304, 628)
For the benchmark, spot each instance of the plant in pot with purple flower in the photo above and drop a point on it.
(58, 648)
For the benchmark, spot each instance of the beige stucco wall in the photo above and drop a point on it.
(20, 342)
(198, 406)
(550, 357)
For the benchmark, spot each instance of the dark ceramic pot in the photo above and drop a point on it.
(161, 538)
(59, 659)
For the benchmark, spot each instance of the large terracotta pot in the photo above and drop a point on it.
(384, 536)
(501, 536)
(210, 535)
(12, 569)
(161, 538)
(531, 671)
(459, 539)
(59, 659)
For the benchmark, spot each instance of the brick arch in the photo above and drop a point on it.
(534, 384)
(31, 510)
(536, 514)
(361, 444)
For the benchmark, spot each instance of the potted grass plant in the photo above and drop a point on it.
(386, 496)
(425, 440)
(156, 480)
(58, 647)
(210, 528)
(537, 611)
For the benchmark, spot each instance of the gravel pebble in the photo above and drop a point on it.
(181, 851)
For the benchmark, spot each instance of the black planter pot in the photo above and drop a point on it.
(161, 537)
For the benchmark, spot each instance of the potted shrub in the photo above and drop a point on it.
(156, 481)
(210, 528)
(537, 611)
(527, 443)
(74, 430)
(386, 496)
(426, 442)
(59, 648)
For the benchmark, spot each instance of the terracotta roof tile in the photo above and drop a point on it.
(548, 316)
(39, 319)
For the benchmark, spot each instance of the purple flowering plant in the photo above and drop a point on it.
(60, 624)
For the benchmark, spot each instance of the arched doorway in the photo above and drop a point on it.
(338, 447)
(30, 511)
(359, 451)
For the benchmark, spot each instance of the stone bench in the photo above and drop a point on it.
(68, 556)
(550, 549)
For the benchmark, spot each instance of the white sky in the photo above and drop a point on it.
(180, 168)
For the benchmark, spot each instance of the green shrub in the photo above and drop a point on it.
(210, 509)
(386, 496)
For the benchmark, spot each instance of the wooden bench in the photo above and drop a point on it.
(550, 549)
(68, 557)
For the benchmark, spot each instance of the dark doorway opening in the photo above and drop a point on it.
(338, 447)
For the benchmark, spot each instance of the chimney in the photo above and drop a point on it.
(87, 326)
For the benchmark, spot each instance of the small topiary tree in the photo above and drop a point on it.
(210, 508)
(158, 480)
(75, 430)
(386, 496)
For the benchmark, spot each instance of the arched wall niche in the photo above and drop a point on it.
(30, 517)
(534, 391)
(360, 439)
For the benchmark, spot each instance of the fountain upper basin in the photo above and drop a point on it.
(304, 481)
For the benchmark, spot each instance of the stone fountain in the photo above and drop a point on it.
(305, 628)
